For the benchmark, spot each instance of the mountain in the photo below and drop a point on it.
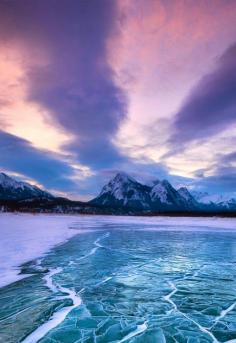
(121, 195)
(10, 189)
(192, 201)
(215, 200)
(158, 196)
(199, 195)
(124, 191)
(165, 197)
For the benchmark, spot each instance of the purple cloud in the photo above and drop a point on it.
(211, 106)
(222, 178)
(20, 156)
(78, 85)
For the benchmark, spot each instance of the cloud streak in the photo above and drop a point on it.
(76, 83)
(211, 106)
(19, 156)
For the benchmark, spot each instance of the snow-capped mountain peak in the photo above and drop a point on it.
(207, 198)
(123, 191)
(116, 184)
(221, 201)
(122, 177)
(18, 190)
(170, 198)
(7, 181)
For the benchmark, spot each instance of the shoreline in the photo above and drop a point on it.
(143, 215)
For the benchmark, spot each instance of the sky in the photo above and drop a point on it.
(90, 88)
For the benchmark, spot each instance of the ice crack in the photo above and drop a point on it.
(224, 313)
(201, 328)
(168, 297)
(59, 316)
(140, 328)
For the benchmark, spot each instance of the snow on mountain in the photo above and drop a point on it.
(124, 191)
(159, 191)
(191, 200)
(11, 189)
(220, 201)
(165, 193)
(170, 198)
(183, 191)
(116, 186)
(206, 198)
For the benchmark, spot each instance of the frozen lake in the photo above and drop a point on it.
(95, 279)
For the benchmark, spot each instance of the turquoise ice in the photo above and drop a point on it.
(127, 283)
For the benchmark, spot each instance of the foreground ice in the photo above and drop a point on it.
(125, 279)
(25, 237)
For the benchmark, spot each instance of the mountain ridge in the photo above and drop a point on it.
(19, 190)
(121, 195)
(158, 195)
(124, 191)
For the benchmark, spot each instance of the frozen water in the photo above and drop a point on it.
(137, 280)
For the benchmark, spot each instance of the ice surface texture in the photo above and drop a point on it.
(128, 280)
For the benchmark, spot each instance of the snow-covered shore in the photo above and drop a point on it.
(25, 237)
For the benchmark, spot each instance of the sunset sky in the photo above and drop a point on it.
(92, 87)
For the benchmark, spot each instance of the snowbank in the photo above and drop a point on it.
(26, 237)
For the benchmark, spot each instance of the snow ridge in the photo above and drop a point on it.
(123, 191)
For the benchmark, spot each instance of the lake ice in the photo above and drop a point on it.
(117, 279)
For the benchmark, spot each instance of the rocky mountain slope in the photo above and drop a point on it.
(123, 191)
(10, 189)
(126, 192)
